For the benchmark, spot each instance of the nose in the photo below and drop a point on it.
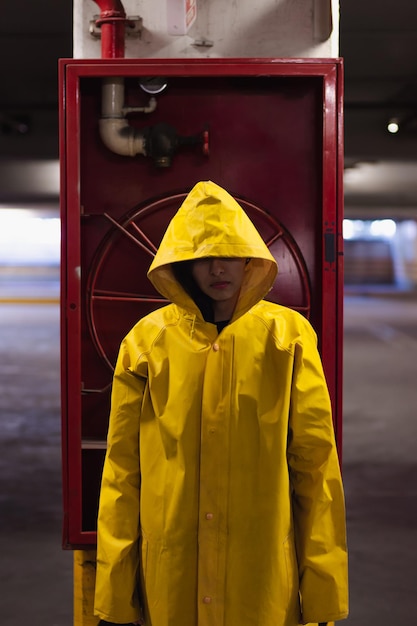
(216, 267)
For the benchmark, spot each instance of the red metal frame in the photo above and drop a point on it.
(329, 322)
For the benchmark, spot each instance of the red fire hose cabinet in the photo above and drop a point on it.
(135, 136)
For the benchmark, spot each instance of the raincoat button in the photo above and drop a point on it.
(216, 347)
(209, 515)
(207, 600)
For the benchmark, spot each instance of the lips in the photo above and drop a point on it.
(220, 285)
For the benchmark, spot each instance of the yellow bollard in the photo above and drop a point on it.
(84, 583)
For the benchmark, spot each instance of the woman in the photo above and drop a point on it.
(221, 500)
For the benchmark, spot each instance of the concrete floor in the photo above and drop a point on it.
(380, 460)
(380, 463)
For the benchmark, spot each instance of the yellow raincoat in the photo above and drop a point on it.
(221, 494)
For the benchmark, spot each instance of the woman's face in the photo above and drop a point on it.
(220, 278)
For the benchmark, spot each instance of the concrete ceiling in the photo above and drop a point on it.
(33, 35)
(377, 40)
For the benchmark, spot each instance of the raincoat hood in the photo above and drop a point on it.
(210, 223)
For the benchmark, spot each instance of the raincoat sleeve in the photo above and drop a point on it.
(116, 595)
(318, 500)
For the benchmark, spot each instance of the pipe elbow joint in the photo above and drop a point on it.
(121, 138)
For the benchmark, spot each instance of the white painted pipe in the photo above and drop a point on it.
(121, 138)
(115, 130)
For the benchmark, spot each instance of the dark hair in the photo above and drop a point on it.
(182, 271)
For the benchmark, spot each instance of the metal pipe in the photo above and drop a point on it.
(112, 21)
(115, 131)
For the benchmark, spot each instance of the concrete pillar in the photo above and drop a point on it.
(265, 28)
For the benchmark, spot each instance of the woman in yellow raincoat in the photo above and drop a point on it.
(221, 500)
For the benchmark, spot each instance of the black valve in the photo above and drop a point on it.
(162, 141)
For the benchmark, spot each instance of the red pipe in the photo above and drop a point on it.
(112, 21)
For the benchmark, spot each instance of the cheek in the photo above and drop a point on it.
(240, 266)
(240, 273)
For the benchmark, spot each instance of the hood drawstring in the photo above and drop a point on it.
(192, 327)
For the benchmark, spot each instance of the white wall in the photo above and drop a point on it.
(236, 28)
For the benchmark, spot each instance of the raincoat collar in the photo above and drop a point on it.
(211, 223)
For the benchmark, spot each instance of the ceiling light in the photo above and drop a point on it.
(393, 125)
